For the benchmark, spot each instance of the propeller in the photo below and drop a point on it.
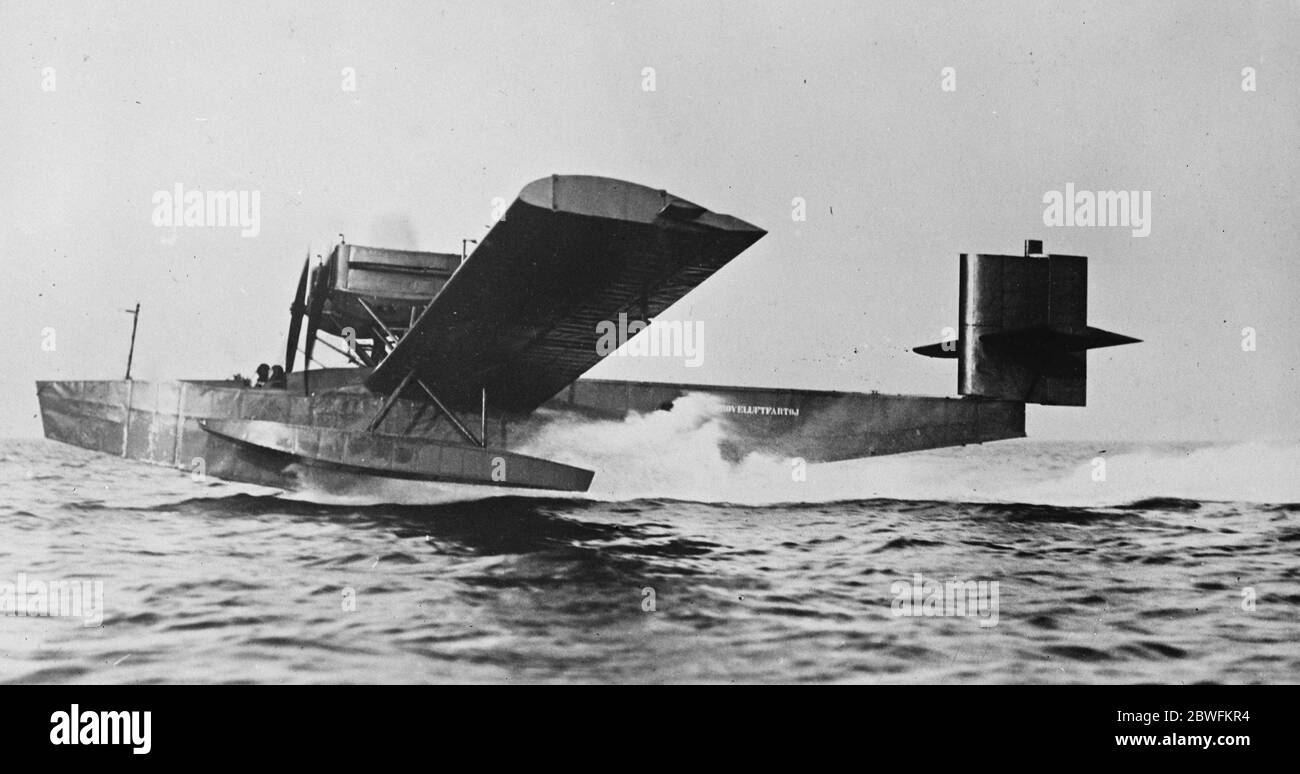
(296, 311)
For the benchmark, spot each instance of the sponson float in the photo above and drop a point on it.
(457, 364)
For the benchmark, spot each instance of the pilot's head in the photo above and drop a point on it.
(263, 371)
(276, 372)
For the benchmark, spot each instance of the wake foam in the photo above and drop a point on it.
(677, 455)
(1254, 472)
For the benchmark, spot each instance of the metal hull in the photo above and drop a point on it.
(162, 423)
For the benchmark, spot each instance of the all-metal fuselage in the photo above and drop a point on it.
(184, 425)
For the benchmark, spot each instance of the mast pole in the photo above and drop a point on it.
(134, 324)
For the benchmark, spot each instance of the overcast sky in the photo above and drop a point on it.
(753, 104)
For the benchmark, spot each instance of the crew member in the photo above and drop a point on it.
(263, 374)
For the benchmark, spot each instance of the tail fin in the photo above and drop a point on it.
(1024, 334)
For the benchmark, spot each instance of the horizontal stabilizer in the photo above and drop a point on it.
(944, 349)
(1058, 338)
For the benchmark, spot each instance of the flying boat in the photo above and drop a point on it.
(458, 364)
